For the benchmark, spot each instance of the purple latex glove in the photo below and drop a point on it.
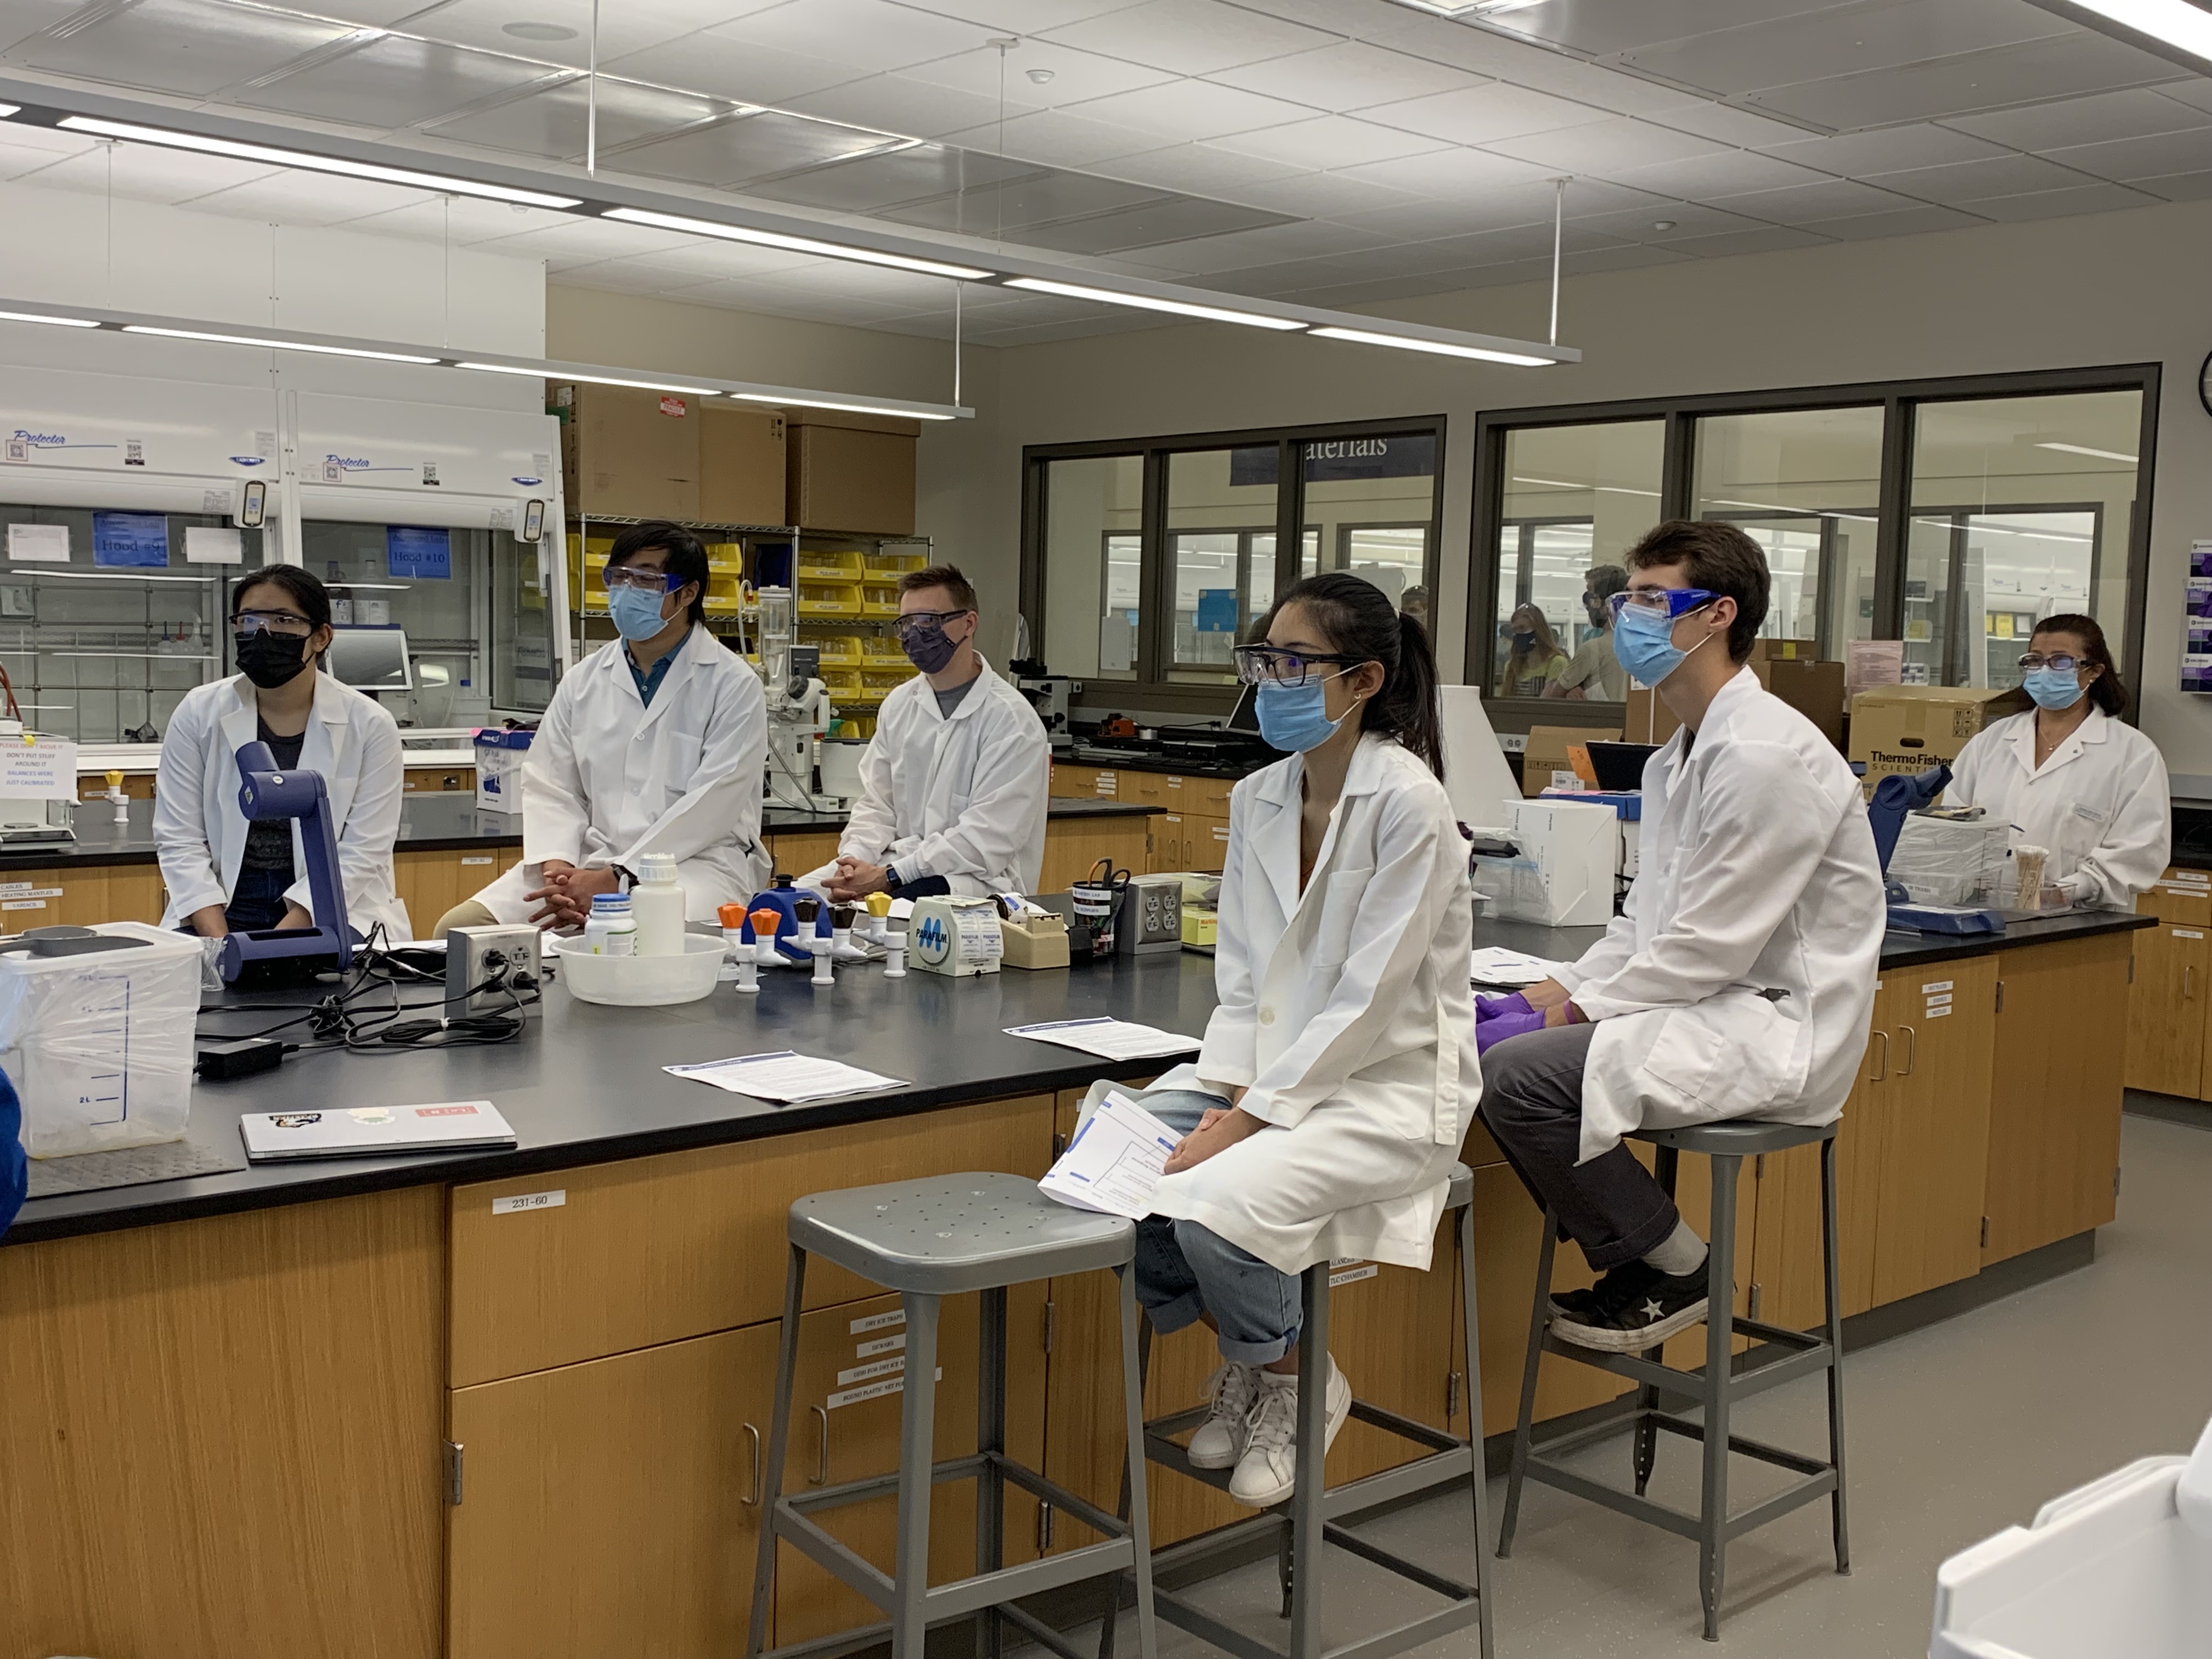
(1489, 1008)
(1505, 1023)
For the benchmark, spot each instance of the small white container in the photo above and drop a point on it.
(657, 902)
(641, 982)
(612, 930)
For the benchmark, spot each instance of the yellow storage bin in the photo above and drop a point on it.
(895, 564)
(856, 727)
(823, 565)
(724, 595)
(837, 650)
(882, 680)
(882, 650)
(842, 684)
(879, 600)
(727, 558)
(830, 599)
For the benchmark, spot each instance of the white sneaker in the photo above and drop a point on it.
(1219, 1441)
(1267, 1472)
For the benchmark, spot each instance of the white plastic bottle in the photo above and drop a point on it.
(612, 930)
(657, 902)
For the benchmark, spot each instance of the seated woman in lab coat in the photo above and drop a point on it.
(2070, 776)
(1339, 1073)
(223, 873)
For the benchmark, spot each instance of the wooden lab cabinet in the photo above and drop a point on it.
(2169, 1005)
(438, 779)
(1187, 840)
(80, 896)
(431, 883)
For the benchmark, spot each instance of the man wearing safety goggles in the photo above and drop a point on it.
(1738, 982)
(953, 787)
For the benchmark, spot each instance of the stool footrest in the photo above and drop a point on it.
(1400, 1639)
(1353, 1543)
(1743, 1384)
(1819, 1477)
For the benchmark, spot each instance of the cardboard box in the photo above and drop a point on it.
(1814, 689)
(741, 465)
(1909, 728)
(631, 454)
(1547, 754)
(849, 472)
(1785, 650)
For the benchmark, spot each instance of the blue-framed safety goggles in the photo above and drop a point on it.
(1670, 601)
(646, 581)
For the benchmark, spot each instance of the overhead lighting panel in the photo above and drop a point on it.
(41, 317)
(2083, 449)
(130, 132)
(866, 256)
(2174, 23)
(1440, 347)
(1470, 8)
(595, 380)
(278, 345)
(1149, 302)
(779, 398)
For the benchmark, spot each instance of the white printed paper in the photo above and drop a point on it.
(1114, 1161)
(1493, 965)
(212, 544)
(786, 1076)
(44, 768)
(39, 543)
(1110, 1039)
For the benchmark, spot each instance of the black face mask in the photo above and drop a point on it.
(270, 660)
(1524, 641)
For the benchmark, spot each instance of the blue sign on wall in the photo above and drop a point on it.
(1217, 611)
(410, 551)
(132, 540)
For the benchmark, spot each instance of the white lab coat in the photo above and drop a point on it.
(962, 797)
(199, 834)
(1345, 1012)
(609, 780)
(2100, 805)
(1758, 877)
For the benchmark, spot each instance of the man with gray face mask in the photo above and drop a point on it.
(953, 785)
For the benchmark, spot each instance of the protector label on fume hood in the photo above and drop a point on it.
(412, 550)
(131, 540)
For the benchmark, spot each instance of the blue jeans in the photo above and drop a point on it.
(1184, 1269)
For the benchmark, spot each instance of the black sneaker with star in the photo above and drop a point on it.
(1633, 1308)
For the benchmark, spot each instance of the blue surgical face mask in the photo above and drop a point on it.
(2052, 688)
(1643, 643)
(635, 615)
(1295, 718)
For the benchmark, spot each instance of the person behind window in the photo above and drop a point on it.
(1536, 660)
(1594, 672)
(1414, 603)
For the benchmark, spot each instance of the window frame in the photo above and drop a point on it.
(1151, 689)
(1899, 402)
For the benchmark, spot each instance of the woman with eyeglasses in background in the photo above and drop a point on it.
(224, 874)
(2070, 776)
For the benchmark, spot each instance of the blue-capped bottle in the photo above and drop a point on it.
(612, 930)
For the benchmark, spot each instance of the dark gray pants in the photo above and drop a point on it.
(1532, 1099)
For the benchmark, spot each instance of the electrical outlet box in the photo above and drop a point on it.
(1151, 916)
(490, 970)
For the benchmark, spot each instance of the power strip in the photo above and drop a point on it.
(490, 962)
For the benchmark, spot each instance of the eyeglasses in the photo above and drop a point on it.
(645, 581)
(1670, 601)
(1264, 665)
(2032, 660)
(923, 621)
(287, 623)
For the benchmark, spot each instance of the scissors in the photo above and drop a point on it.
(1103, 874)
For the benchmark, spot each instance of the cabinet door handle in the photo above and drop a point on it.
(821, 1475)
(2189, 982)
(753, 1435)
(1882, 1074)
(1912, 1050)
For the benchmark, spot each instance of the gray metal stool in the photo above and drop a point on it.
(928, 1240)
(1303, 1522)
(1716, 1386)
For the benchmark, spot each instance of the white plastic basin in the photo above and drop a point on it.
(641, 982)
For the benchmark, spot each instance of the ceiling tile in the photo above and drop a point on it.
(1012, 208)
(1200, 167)
(1057, 139)
(1814, 46)
(21, 19)
(872, 183)
(1599, 28)
(1320, 195)
(580, 241)
(1895, 221)
(633, 25)
(1052, 333)
(1379, 291)
(2197, 94)
(867, 34)
(1329, 141)
(1730, 173)
(1309, 239)
(1607, 147)
(553, 124)
(462, 221)
(898, 103)
(2069, 66)
(749, 147)
(1763, 239)
(2130, 158)
(141, 172)
(1283, 277)
(1348, 77)
(2056, 204)
(2095, 119)
(1482, 113)
(395, 82)
(1449, 173)
(1887, 149)
(300, 198)
(1074, 76)
(1591, 83)
(25, 148)
(1190, 37)
(1806, 204)
(1968, 181)
(1017, 17)
(1185, 110)
(1501, 207)
(1624, 257)
(1684, 220)
(190, 46)
(1172, 219)
(725, 68)
(633, 276)
(2178, 187)
(1489, 247)
(727, 261)
(1727, 124)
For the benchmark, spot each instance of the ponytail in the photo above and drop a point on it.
(1356, 617)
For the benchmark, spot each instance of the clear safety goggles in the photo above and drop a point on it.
(615, 576)
(925, 621)
(286, 623)
(1266, 664)
(1669, 602)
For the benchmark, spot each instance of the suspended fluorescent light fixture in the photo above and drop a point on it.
(847, 407)
(2082, 449)
(39, 317)
(278, 345)
(2176, 22)
(1147, 302)
(1442, 349)
(7, 110)
(866, 256)
(1470, 8)
(129, 132)
(595, 380)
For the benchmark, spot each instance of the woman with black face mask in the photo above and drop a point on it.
(224, 873)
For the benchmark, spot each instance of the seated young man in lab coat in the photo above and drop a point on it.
(655, 743)
(952, 789)
(1739, 980)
